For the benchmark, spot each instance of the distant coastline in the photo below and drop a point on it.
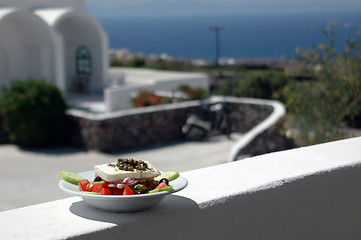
(126, 55)
(243, 37)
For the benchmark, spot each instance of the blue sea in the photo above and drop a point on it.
(242, 37)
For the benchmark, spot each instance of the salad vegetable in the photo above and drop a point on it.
(70, 177)
(126, 177)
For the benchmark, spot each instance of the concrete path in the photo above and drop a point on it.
(30, 176)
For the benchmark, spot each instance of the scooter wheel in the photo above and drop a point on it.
(196, 134)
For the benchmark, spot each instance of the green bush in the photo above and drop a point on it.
(312, 117)
(172, 65)
(137, 62)
(33, 112)
(116, 63)
(318, 109)
(261, 85)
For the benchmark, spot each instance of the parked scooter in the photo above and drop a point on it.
(197, 128)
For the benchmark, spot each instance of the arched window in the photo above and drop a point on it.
(83, 61)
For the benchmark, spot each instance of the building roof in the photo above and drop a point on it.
(52, 15)
(6, 11)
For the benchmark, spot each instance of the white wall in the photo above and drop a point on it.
(78, 30)
(27, 48)
(10, 39)
(119, 97)
(307, 193)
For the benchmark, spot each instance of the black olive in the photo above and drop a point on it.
(164, 180)
(97, 179)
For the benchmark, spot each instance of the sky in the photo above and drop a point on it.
(160, 8)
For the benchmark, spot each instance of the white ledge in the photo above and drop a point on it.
(279, 111)
(306, 193)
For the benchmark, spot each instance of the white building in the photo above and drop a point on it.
(59, 42)
(53, 40)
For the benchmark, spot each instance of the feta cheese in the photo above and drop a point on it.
(110, 172)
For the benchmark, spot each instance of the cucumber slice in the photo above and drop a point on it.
(98, 183)
(172, 175)
(92, 193)
(70, 177)
(168, 188)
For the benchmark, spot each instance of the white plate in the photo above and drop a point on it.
(119, 203)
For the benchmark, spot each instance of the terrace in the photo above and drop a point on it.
(305, 193)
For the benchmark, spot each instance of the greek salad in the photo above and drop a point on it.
(127, 176)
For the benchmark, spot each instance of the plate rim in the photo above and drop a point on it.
(138, 196)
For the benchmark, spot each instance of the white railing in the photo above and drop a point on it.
(279, 111)
(307, 193)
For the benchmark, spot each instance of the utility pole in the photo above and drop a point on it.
(218, 50)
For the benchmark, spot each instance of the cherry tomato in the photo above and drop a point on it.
(97, 188)
(161, 185)
(106, 191)
(117, 191)
(128, 191)
(85, 185)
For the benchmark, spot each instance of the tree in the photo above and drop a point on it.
(318, 108)
(261, 85)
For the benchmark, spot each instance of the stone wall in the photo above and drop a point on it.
(244, 116)
(159, 126)
(129, 131)
(268, 141)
